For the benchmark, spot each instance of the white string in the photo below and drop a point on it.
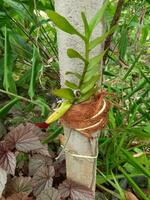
(79, 155)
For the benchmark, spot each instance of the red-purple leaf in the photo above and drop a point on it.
(3, 180)
(38, 161)
(24, 138)
(7, 159)
(19, 184)
(77, 192)
(43, 150)
(42, 179)
(60, 166)
(19, 196)
(49, 194)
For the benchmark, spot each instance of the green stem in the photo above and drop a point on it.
(86, 61)
(19, 97)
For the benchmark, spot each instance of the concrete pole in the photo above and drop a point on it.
(82, 168)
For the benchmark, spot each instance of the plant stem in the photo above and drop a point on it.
(20, 97)
(86, 61)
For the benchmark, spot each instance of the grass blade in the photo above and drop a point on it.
(8, 81)
(133, 184)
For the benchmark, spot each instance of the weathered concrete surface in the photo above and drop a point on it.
(81, 170)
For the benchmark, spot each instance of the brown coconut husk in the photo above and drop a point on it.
(89, 116)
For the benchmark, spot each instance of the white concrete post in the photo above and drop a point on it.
(79, 169)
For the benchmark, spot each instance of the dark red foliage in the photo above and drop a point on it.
(77, 192)
(41, 125)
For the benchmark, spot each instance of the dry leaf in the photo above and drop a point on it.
(38, 161)
(42, 179)
(7, 159)
(49, 194)
(3, 180)
(19, 196)
(77, 192)
(19, 184)
(24, 138)
(130, 196)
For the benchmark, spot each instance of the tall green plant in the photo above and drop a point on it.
(87, 85)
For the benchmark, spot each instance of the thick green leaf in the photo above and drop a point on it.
(36, 66)
(71, 85)
(87, 95)
(64, 93)
(74, 54)
(97, 18)
(5, 109)
(96, 60)
(87, 86)
(86, 25)
(95, 71)
(63, 24)
(8, 82)
(76, 74)
(101, 39)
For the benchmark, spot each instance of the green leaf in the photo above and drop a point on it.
(76, 74)
(18, 8)
(87, 95)
(53, 135)
(101, 180)
(63, 24)
(86, 25)
(147, 128)
(112, 119)
(123, 43)
(118, 187)
(64, 93)
(97, 18)
(87, 86)
(107, 73)
(5, 109)
(133, 184)
(143, 74)
(132, 66)
(95, 71)
(101, 39)
(71, 85)
(135, 163)
(43, 105)
(96, 60)
(8, 82)
(74, 54)
(36, 66)
(136, 89)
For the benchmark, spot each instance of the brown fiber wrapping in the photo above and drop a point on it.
(81, 116)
